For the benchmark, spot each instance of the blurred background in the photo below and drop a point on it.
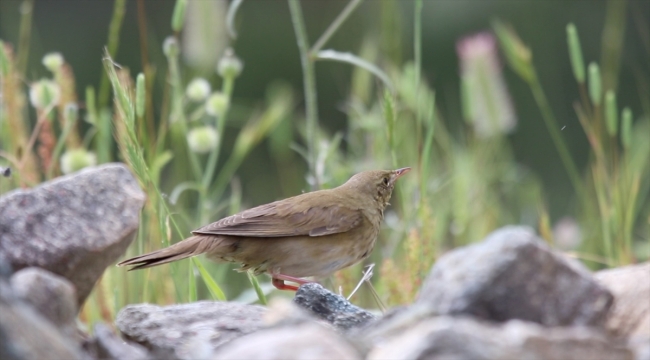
(468, 181)
(267, 46)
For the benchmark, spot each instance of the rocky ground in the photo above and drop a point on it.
(507, 297)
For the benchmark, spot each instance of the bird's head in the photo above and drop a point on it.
(378, 184)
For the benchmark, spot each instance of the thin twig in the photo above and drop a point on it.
(334, 26)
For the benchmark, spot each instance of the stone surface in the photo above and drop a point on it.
(26, 335)
(514, 275)
(464, 338)
(331, 307)
(73, 226)
(106, 345)
(52, 295)
(284, 312)
(188, 331)
(302, 342)
(630, 317)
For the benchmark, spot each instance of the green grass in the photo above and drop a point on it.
(462, 187)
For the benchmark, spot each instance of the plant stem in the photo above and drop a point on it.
(417, 41)
(612, 42)
(177, 110)
(24, 35)
(309, 78)
(213, 158)
(113, 42)
(146, 69)
(334, 26)
(551, 125)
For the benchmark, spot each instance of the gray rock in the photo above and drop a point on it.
(108, 346)
(464, 338)
(302, 342)
(5, 267)
(515, 275)
(331, 307)
(52, 295)
(284, 312)
(26, 335)
(188, 331)
(630, 315)
(73, 226)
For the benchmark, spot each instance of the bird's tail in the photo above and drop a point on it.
(192, 246)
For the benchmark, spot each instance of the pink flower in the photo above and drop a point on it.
(486, 101)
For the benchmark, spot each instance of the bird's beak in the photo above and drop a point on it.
(398, 174)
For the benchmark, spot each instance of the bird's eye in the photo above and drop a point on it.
(385, 181)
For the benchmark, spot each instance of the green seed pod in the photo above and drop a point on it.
(626, 127)
(198, 89)
(217, 104)
(575, 53)
(44, 93)
(611, 113)
(517, 54)
(77, 159)
(229, 66)
(202, 139)
(595, 85)
(140, 95)
(91, 110)
(178, 17)
(170, 47)
(71, 112)
(53, 61)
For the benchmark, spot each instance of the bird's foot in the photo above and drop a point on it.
(279, 279)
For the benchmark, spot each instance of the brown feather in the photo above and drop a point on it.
(312, 234)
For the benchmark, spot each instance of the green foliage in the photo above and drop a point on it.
(462, 186)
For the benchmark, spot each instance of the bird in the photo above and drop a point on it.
(312, 234)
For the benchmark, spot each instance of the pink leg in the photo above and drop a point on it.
(280, 285)
(279, 279)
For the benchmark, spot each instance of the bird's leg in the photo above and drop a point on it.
(280, 285)
(279, 279)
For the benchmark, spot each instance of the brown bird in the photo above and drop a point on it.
(313, 234)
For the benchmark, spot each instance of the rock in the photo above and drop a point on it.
(25, 334)
(331, 307)
(393, 323)
(630, 315)
(305, 341)
(465, 338)
(283, 312)
(73, 226)
(52, 295)
(515, 275)
(188, 331)
(108, 346)
(5, 267)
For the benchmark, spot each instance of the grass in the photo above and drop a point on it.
(464, 184)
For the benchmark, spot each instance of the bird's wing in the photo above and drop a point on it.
(283, 218)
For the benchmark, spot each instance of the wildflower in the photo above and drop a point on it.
(44, 93)
(53, 61)
(202, 139)
(485, 97)
(229, 66)
(170, 47)
(198, 89)
(77, 159)
(217, 104)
